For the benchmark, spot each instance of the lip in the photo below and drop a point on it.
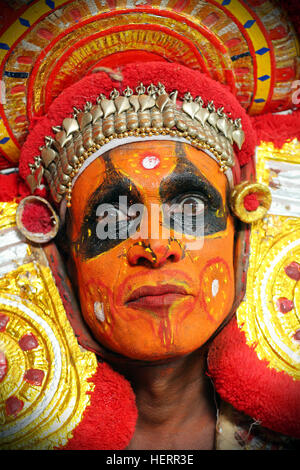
(157, 297)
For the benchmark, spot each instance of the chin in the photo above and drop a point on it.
(155, 354)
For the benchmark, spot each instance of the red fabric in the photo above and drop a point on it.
(14, 188)
(175, 76)
(250, 385)
(277, 128)
(36, 217)
(251, 202)
(109, 421)
(9, 187)
(5, 163)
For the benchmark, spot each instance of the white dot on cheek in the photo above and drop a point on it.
(215, 287)
(98, 310)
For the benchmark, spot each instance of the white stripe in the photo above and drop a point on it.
(10, 237)
(227, 29)
(198, 7)
(285, 188)
(29, 46)
(92, 7)
(14, 253)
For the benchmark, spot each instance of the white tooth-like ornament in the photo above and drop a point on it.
(238, 137)
(223, 125)
(213, 119)
(98, 310)
(162, 101)
(146, 102)
(134, 101)
(108, 107)
(202, 115)
(122, 104)
(190, 108)
(70, 125)
(215, 287)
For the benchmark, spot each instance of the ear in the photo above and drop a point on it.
(242, 245)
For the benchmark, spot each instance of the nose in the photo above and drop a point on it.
(155, 253)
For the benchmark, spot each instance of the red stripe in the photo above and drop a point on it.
(48, 98)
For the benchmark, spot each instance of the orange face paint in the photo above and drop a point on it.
(151, 298)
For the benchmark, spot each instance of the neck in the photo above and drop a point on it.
(175, 403)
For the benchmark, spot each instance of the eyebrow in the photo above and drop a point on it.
(113, 186)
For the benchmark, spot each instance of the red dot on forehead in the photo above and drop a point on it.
(150, 161)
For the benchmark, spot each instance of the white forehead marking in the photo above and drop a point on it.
(150, 162)
(215, 287)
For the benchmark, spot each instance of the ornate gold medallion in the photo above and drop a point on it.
(270, 314)
(43, 371)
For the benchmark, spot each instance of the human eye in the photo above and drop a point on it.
(189, 205)
(194, 214)
(111, 214)
(107, 225)
(185, 214)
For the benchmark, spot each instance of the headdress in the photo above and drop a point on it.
(204, 116)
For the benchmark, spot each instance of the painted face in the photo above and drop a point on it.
(155, 267)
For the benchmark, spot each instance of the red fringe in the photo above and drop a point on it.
(36, 217)
(109, 421)
(277, 128)
(12, 188)
(251, 386)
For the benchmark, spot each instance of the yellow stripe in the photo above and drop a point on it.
(9, 148)
(32, 14)
(9, 37)
(258, 40)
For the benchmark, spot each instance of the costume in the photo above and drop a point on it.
(61, 394)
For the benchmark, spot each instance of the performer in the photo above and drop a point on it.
(146, 177)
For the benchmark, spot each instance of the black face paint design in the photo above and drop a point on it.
(107, 223)
(187, 189)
